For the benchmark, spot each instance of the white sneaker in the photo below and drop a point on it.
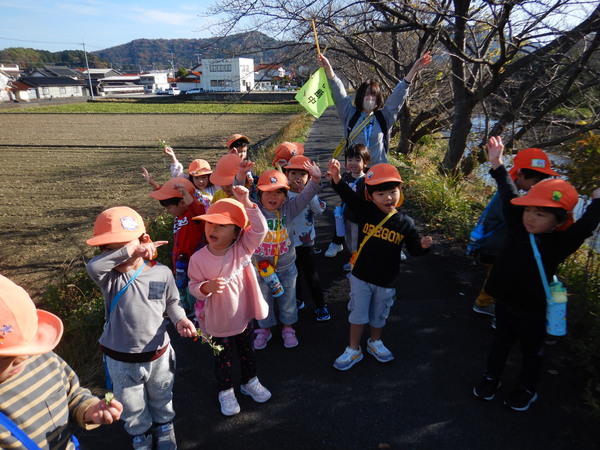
(334, 249)
(379, 351)
(257, 391)
(229, 404)
(348, 358)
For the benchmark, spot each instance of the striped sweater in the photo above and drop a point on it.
(42, 400)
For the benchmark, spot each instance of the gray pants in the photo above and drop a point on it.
(146, 391)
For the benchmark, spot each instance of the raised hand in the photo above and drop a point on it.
(495, 149)
(243, 195)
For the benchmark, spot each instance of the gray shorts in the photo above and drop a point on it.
(369, 303)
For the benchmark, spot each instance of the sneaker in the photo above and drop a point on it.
(494, 323)
(490, 310)
(347, 267)
(348, 358)
(257, 391)
(229, 404)
(521, 399)
(142, 442)
(300, 304)
(164, 436)
(403, 256)
(322, 314)
(334, 249)
(318, 251)
(262, 336)
(289, 337)
(379, 351)
(486, 390)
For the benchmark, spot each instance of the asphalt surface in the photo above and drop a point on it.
(421, 400)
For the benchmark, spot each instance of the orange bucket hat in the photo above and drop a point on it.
(271, 180)
(168, 190)
(119, 224)
(382, 173)
(531, 158)
(199, 167)
(226, 211)
(25, 330)
(236, 137)
(553, 193)
(297, 162)
(286, 150)
(226, 169)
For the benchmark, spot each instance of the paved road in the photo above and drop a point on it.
(421, 400)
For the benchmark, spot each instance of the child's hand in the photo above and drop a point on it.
(596, 193)
(186, 328)
(103, 414)
(313, 170)
(215, 286)
(495, 149)
(243, 195)
(334, 170)
(426, 241)
(146, 250)
(187, 197)
(149, 179)
(246, 166)
(168, 151)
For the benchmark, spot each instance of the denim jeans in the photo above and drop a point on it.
(286, 303)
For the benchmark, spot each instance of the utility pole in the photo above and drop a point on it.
(87, 65)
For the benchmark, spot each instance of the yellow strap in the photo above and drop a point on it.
(352, 136)
(368, 236)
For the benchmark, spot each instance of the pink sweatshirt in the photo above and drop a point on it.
(228, 313)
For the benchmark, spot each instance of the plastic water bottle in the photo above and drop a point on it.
(267, 272)
(556, 310)
(340, 224)
(181, 266)
(475, 239)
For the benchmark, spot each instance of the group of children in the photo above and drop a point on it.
(236, 259)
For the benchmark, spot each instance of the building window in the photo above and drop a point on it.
(63, 90)
(220, 67)
(45, 91)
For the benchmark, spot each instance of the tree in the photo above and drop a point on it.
(519, 62)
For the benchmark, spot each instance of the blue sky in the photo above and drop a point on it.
(56, 25)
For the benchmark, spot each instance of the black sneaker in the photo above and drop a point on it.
(486, 390)
(521, 399)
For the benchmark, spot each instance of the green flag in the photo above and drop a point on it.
(315, 95)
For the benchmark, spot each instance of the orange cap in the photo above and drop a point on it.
(286, 150)
(554, 193)
(531, 158)
(297, 162)
(226, 169)
(226, 211)
(25, 330)
(168, 190)
(382, 173)
(199, 167)
(119, 224)
(236, 137)
(271, 180)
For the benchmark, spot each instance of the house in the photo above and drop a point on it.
(8, 74)
(121, 84)
(226, 75)
(46, 87)
(154, 81)
(22, 92)
(55, 71)
(269, 76)
(93, 76)
(190, 81)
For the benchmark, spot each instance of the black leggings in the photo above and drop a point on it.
(307, 272)
(244, 343)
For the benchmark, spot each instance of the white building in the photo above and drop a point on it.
(226, 75)
(154, 81)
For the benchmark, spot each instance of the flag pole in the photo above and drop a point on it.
(316, 38)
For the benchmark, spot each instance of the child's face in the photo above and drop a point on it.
(177, 210)
(11, 366)
(220, 236)
(355, 165)
(386, 200)
(297, 179)
(240, 148)
(523, 183)
(200, 181)
(272, 200)
(228, 189)
(131, 263)
(538, 221)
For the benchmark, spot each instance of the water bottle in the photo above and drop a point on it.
(181, 266)
(475, 239)
(267, 272)
(556, 310)
(340, 225)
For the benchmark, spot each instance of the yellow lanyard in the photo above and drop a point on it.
(368, 236)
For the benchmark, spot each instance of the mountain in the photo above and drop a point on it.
(149, 54)
(28, 57)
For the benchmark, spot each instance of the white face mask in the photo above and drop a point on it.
(369, 104)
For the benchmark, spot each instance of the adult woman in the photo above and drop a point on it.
(369, 99)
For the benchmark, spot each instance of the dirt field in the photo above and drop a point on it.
(58, 172)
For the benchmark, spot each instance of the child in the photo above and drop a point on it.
(137, 293)
(544, 213)
(176, 197)
(277, 249)
(223, 279)
(303, 232)
(285, 151)
(238, 145)
(530, 166)
(382, 231)
(33, 377)
(225, 171)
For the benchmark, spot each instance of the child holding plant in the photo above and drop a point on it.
(223, 280)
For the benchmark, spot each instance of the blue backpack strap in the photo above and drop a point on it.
(538, 260)
(384, 128)
(19, 434)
